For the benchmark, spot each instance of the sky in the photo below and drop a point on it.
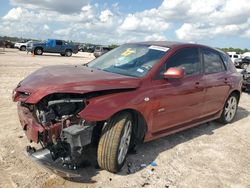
(223, 23)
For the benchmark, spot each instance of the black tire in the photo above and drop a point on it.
(62, 54)
(38, 51)
(68, 53)
(110, 155)
(243, 65)
(225, 116)
(22, 48)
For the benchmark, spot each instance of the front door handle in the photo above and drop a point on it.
(226, 81)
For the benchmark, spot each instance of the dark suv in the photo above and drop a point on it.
(136, 93)
(246, 78)
(242, 62)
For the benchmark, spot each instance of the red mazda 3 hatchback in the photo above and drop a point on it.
(135, 93)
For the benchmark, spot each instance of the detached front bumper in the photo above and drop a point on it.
(43, 157)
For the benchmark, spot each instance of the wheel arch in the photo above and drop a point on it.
(38, 47)
(68, 49)
(237, 93)
(140, 126)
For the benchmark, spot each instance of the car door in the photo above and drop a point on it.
(178, 101)
(49, 45)
(58, 47)
(217, 80)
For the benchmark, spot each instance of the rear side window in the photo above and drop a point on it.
(212, 62)
(59, 42)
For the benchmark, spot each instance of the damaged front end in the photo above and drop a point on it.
(55, 124)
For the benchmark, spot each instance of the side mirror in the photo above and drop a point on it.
(174, 73)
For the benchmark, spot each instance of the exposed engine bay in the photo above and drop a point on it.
(63, 133)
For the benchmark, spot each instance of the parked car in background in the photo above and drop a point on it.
(87, 48)
(53, 46)
(9, 44)
(21, 45)
(135, 93)
(246, 78)
(6, 44)
(242, 62)
(234, 57)
(100, 50)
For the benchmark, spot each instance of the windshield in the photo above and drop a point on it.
(130, 59)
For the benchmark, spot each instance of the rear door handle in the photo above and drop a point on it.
(226, 81)
(197, 84)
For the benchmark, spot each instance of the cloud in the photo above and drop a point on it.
(155, 37)
(46, 27)
(208, 19)
(106, 15)
(65, 7)
(143, 22)
(13, 14)
(81, 20)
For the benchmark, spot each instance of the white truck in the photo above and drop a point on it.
(234, 56)
(21, 45)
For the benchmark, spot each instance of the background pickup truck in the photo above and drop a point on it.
(53, 46)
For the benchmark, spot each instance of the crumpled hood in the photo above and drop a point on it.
(70, 79)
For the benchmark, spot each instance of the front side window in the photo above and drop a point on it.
(187, 58)
(58, 42)
(130, 59)
(212, 62)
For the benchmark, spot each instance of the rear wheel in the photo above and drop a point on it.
(244, 65)
(38, 51)
(114, 142)
(229, 109)
(68, 53)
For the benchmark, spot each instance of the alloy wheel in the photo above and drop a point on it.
(125, 141)
(230, 108)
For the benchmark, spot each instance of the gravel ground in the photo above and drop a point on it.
(209, 155)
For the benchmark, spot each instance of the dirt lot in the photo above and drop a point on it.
(209, 155)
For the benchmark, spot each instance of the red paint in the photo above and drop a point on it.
(174, 104)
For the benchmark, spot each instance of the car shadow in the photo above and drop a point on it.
(147, 153)
(58, 55)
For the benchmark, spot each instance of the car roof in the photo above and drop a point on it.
(169, 44)
(173, 44)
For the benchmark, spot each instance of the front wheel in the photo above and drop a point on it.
(229, 109)
(114, 142)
